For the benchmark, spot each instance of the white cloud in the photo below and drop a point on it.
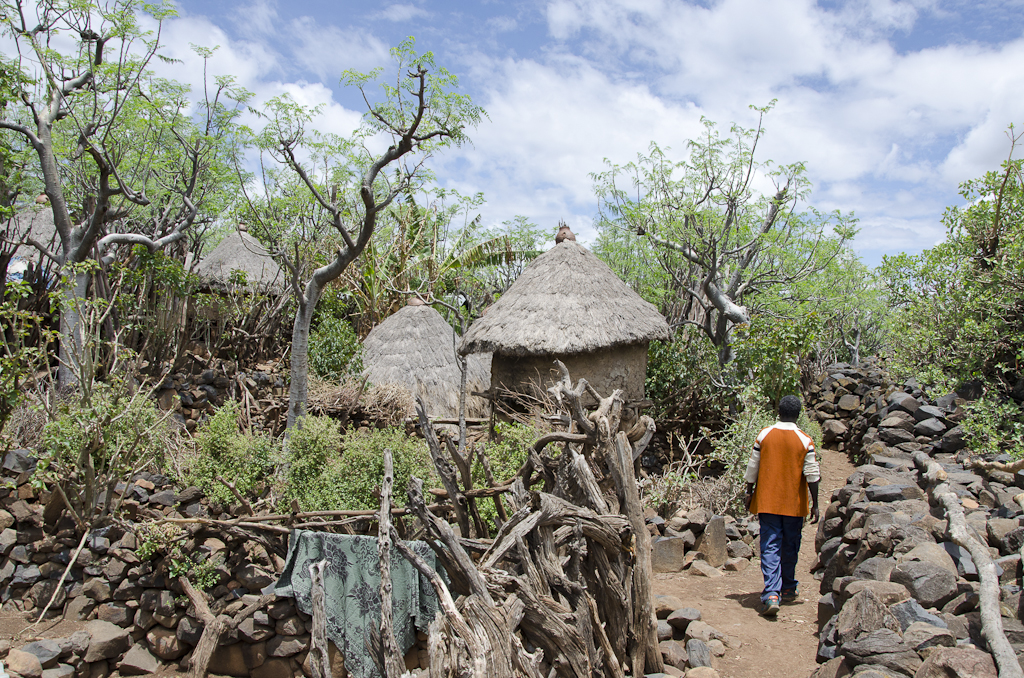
(885, 131)
(326, 50)
(401, 12)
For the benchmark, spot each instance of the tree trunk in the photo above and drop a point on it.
(72, 333)
(298, 387)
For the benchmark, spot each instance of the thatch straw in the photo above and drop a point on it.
(566, 302)
(34, 222)
(415, 347)
(383, 403)
(239, 251)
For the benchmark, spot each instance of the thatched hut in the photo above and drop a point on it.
(35, 222)
(243, 253)
(568, 305)
(415, 347)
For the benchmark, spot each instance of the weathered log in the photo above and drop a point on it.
(392, 656)
(319, 659)
(444, 470)
(646, 656)
(991, 618)
(439, 529)
(214, 627)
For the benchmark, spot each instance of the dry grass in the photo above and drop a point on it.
(389, 404)
(24, 427)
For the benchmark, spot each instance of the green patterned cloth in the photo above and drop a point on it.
(352, 588)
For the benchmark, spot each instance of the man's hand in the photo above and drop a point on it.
(747, 496)
(813, 487)
(814, 513)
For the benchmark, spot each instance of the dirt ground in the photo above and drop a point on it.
(781, 648)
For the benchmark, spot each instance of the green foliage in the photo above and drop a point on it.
(312, 445)
(770, 351)
(167, 539)
(960, 304)
(732, 446)
(90, 444)
(18, 358)
(684, 377)
(995, 425)
(223, 451)
(717, 249)
(321, 479)
(335, 350)
(506, 455)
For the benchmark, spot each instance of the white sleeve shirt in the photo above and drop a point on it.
(812, 472)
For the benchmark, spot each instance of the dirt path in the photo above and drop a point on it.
(780, 648)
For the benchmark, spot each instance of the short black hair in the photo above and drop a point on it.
(789, 408)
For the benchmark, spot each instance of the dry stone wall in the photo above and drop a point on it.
(138, 620)
(898, 597)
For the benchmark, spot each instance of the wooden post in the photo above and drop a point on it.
(392, 656)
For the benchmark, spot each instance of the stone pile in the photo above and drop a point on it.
(194, 392)
(701, 543)
(687, 644)
(898, 597)
(139, 621)
(862, 413)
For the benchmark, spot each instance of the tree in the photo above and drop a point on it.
(119, 159)
(336, 188)
(721, 242)
(959, 306)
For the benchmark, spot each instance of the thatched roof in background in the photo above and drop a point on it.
(415, 347)
(566, 302)
(35, 222)
(239, 251)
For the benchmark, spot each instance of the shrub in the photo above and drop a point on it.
(88, 446)
(223, 450)
(995, 426)
(681, 377)
(351, 480)
(334, 349)
(506, 455)
(314, 442)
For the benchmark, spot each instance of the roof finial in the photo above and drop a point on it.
(564, 233)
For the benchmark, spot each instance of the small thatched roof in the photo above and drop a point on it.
(415, 347)
(239, 251)
(36, 222)
(566, 302)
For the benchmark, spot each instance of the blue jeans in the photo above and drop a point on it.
(780, 546)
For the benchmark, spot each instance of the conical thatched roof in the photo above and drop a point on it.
(239, 251)
(566, 302)
(415, 347)
(35, 222)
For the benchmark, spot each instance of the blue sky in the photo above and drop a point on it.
(890, 103)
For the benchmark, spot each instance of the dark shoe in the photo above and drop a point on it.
(770, 607)
(791, 596)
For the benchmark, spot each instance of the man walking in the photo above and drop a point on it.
(781, 469)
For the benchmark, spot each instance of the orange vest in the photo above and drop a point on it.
(781, 486)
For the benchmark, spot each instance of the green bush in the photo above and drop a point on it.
(322, 480)
(334, 349)
(995, 426)
(223, 450)
(121, 430)
(506, 455)
(681, 377)
(313, 443)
